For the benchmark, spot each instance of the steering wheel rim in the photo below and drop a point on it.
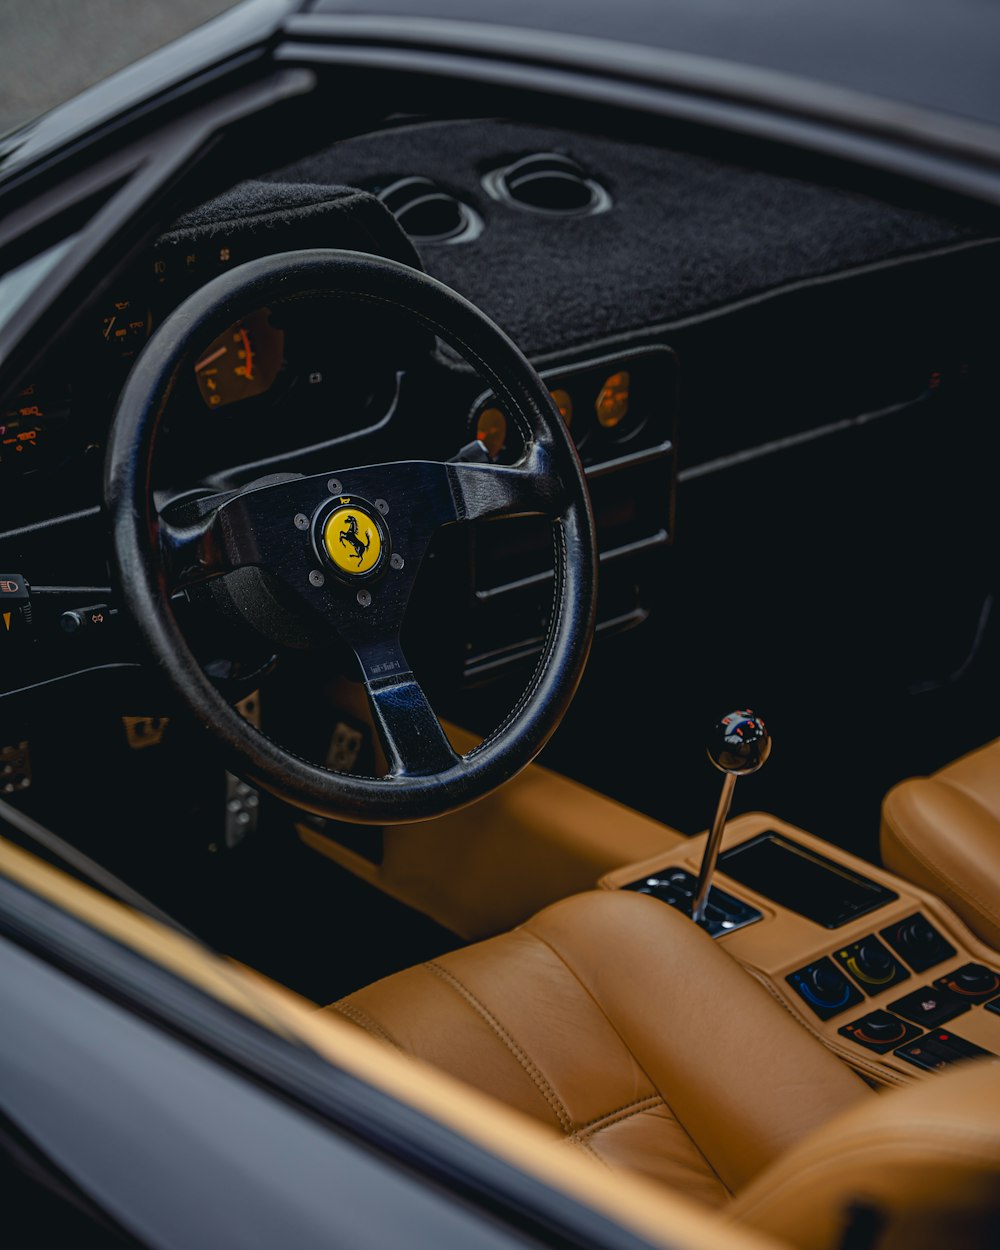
(152, 559)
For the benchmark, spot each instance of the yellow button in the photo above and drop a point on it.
(352, 540)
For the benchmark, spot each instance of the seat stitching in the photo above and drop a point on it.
(949, 882)
(628, 1049)
(533, 1071)
(617, 1117)
(364, 1021)
(638, 1102)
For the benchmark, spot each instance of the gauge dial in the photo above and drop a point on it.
(32, 427)
(491, 430)
(563, 400)
(125, 327)
(243, 361)
(612, 403)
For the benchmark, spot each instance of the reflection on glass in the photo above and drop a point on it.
(612, 403)
(491, 430)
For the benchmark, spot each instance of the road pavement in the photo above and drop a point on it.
(52, 49)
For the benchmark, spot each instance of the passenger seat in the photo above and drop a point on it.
(943, 833)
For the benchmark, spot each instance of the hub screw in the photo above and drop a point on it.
(382, 506)
(316, 578)
(333, 486)
(301, 521)
(364, 598)
(396, 560)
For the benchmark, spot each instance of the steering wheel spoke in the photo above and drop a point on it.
(192, 553)
(415, 745)
(485, 491)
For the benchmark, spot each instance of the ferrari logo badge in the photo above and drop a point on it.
(353, 540)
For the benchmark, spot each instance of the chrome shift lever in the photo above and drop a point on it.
(739, 744)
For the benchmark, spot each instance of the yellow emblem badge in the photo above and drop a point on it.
(352, 540)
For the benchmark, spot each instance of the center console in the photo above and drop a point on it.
(883, 972)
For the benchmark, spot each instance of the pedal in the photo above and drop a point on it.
(144, 731)
(345, 747)
(242, 811)
(249, 708)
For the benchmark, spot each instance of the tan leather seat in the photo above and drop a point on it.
(943, 832)
(632, 1034)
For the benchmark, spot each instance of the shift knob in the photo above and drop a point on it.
(739, 743)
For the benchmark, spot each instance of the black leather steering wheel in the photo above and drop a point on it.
(346, 545)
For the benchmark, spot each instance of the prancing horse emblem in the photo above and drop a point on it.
(353, 540)
(349, 538)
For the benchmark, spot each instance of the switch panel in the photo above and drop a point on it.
(973, 982)
(938, 1049)
(870, 964)
(917, 941)
(929, 1006)
(825, 988)
(879, 1031)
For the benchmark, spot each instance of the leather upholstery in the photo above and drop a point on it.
(615, 1021)
(489, 867)
(921, 1165)
(943, 833)
(629, 1032)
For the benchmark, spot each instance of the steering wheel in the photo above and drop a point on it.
(343, 548)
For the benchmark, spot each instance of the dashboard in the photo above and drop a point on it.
(701, 328)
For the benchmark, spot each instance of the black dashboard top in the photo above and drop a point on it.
(674, 235)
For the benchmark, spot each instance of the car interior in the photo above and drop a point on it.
(241, 565)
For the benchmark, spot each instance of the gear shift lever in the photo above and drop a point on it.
(738, 745)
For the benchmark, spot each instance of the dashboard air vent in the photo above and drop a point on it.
(429, 213)
(547, 182)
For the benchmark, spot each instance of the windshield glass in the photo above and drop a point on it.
(54, 49)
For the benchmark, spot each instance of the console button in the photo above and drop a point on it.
(879, 1031)
(918, 942)
(938, 1049)
(825, 988)
(871, 965)
(974, 982)
(929, 1006)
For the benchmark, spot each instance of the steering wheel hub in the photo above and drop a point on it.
(353, 538)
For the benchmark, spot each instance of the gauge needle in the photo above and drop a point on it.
(208, 359)
(107, 330)
(248, 353)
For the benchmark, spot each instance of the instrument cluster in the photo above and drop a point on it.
(278, 379)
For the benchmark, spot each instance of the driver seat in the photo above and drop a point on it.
(637, 1038)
